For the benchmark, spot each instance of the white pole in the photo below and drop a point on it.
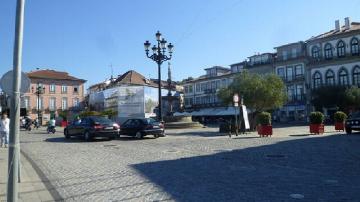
(14, 149)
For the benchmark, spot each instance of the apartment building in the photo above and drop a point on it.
(290, 65)
(58, 91)
(200, 94)
(334, 57)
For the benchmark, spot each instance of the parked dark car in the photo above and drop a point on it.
(353, 122)
(142, 127)
(92, 126)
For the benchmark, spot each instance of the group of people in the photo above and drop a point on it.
(4, 130)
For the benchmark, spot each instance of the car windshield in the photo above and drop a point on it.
(101, 120)
(355, 115)
(150, 121)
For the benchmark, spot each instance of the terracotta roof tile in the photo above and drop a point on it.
(52, 74)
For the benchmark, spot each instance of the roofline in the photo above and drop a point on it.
(289, 44)
(40, 77)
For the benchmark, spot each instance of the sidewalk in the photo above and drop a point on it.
(31, 188)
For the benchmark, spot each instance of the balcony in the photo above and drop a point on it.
(322, 60)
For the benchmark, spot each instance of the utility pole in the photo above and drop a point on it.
(14, 147)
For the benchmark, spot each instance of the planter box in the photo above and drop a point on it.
(264, 130)
(317, 128)
(339, 126)
(64, 123)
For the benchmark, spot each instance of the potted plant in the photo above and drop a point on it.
(264, 127)
(340, 118)
(316, 122)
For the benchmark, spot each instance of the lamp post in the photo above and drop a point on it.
(159, 57)
(39, 90)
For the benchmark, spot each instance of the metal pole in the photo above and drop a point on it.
(14, 147)
(236, 122)
(159, 71)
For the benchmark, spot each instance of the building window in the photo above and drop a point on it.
(39, 103)
(52, 104)
(197, 100)
(186, 89)
(190, 89)
(213, 84)
(343, 77)
(64, 89)
(330, 77)
(299, 92)
(317, 80)
(218, 84)
(198, 87)
(223, 83)
(281, 72)
(299, 71)
(356, 76)
(289, 73)
(76, 102)
(293, 53)
(52, 88)
(328, 51)
(315, 52)
(76, 89)
(64, 104)
(284, 55)
(27, 102)
(203, 87)
(290, 92)
(354, 46)
(341, 49)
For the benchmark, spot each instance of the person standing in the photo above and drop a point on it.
(4, 130)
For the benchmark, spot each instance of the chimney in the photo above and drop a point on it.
(347, 23)
(337, 25)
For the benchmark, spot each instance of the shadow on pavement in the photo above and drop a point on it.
(197, 133)
(73, 140)
(322, 168)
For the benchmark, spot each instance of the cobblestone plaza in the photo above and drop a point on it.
(200, 165)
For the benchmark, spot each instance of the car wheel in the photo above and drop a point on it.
(87, 136)
(156, 135)
(348, 130)
(138, 135)
(66, 133)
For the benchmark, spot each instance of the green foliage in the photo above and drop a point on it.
(89, 113)
(260, 93)
(264, 118)
(316, 118)
(352, 97)
(109, 113)
(340, 116)
(63, 115)
(341, 97)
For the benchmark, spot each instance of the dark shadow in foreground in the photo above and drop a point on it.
(321, 168)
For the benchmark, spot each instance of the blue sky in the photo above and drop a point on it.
(83, 37)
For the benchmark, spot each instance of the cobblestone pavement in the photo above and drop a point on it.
(201, 165)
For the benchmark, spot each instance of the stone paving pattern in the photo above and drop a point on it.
(31, 188)
(201, 165)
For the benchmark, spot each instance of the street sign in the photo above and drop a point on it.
(6, 83)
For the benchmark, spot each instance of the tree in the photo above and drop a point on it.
(260, 92)
(341, 97)
(352, 98)
(329, 96)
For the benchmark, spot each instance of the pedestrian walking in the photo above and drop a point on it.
(4, 130)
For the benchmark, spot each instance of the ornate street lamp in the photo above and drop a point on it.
(39, 90)
(159, 57)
